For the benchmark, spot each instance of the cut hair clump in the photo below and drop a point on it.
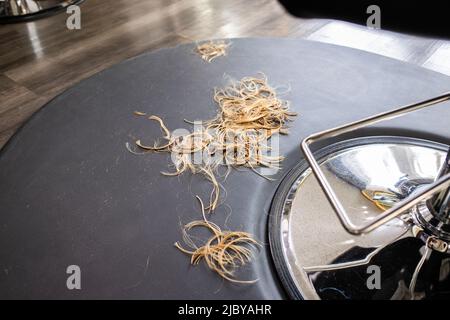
(223, 252)
(211, 50)
(249, 114)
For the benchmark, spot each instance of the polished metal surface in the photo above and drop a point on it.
(442, 183)
(440, 203)
(429, 220)
(28, 8)
(322, 260)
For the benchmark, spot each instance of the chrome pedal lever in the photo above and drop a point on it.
(442, 183)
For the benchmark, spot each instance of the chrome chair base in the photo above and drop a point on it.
(316, 258)
(23, 10)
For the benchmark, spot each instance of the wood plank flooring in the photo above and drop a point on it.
(42, 58)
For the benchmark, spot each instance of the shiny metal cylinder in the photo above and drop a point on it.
(441, 201)
(22, 10)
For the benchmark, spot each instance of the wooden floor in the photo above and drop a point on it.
(40, 59)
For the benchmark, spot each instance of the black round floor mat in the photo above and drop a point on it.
(72, 194)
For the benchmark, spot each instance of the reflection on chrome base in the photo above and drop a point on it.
(318, 259)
